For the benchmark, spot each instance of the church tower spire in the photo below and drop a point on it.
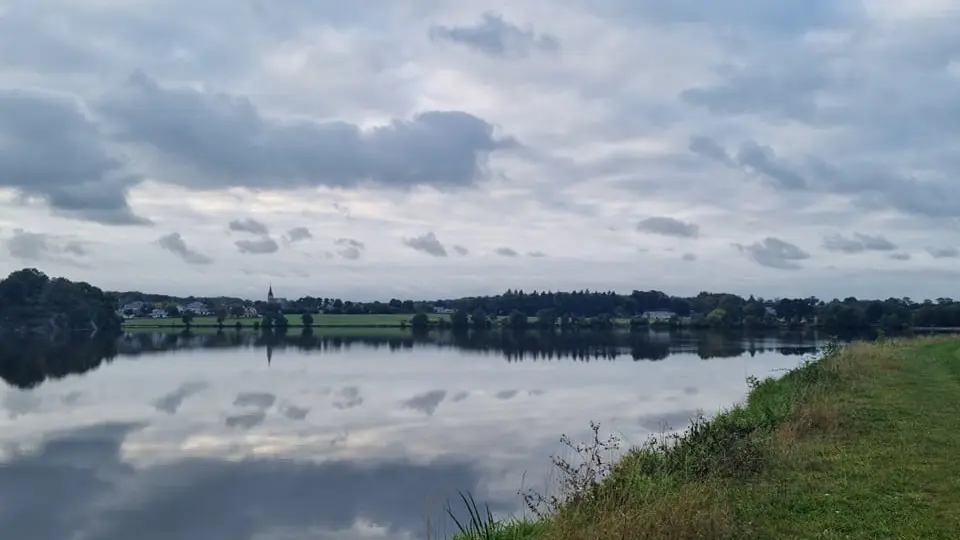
(270, 294)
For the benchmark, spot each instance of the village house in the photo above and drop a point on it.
(659, 315)
(158, 313)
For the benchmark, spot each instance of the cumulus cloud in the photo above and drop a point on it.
(496, 37)
(427, 402)
(53, 151)
(297, 234)
(38, 247)
(536, 254)
(210, 140)
(350, 249)
(668, 226)
(506, 252)
(347, 397)
(249, 225)
(773, 252)
(426, 243)
(858, 244)
(460, 250)
(170, 403)
(259, 246)
(944, 252)
(174, 243)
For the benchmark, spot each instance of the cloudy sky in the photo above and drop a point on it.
(433, 148)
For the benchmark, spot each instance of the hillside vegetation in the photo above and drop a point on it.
(31, 302)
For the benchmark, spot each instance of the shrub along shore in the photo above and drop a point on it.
(860, 443)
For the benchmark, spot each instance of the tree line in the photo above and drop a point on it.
(32, 302)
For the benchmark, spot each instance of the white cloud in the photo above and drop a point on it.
(535, 126)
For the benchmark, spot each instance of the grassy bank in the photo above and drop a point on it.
(863, 443)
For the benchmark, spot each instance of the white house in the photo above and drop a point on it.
(197, 308)
(658, 315)
(446, 310)
(158, 314)
(249, 311)
(133, 307)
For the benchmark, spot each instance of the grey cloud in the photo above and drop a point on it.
(258, 247)
(75, 248)
(427, 402)
(536, 254)
(52, 151)
(30, 246)
(707, 147)
(92, 491)
(426, 243)
(871, 186)
(944, 253)
(507, 394)
(347, 398)
(171, 402)
(900, 256)
(689, 257)
(774, 253)
(668, 226)
(21, 402)
(71, 398)
(297, 234)
(763, 160)
(225, 141)
(295, 413)
(258, 400)
(249, 225)
(460, 250)
(245, 421)
(858, 244)
(505, 252)
(350, 249)
(174, 243)
(460, 396)
(496, 37)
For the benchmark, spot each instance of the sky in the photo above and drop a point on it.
(440, 148)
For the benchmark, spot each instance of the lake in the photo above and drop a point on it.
(349, 436)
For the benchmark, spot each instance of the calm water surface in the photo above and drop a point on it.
(236, 437)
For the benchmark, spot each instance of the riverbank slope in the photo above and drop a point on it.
(862, 443)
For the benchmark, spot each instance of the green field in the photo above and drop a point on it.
(294, 320)
(862, 444)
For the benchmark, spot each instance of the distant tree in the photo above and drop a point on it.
(237, 311)
(547, 318)
(173, 311)
(517, 319)
(479, 319)
(221, 316)
(420, 321)
(187, 319)
(238, 326)
(459, 320)
(307, 320)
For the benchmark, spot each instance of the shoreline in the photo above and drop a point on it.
(821, 452)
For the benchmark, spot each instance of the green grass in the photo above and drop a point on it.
(862, 444)
(294, 320)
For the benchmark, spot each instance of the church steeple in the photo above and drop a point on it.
(270, 294)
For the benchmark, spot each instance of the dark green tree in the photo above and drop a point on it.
(459, 320)
(420, 321)
(307, 319)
